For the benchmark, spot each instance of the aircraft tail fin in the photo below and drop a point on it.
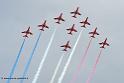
(42, 29)
(47, 27)
(92, 36)
(74, 16)
(102, 47)
(58, 22)
(64, 50)
(70, 33)
(83, 26)
(25, 36)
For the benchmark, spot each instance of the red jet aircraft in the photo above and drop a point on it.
(59, 18)
(71, 29)
(44, 25)
(76, 12)
(66, 46)
(27, 32)
(85, 22)
(104, 43)
(94, 33)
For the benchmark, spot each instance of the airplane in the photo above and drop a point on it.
(85, 22)
(104, 43)
(76, 12)
(71, 29)
(44, 25)
(59, 18)
(27, 32)
(66, 46)
(94, 33)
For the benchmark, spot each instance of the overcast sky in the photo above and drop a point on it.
(107, 15)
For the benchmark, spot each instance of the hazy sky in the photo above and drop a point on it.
(107, 15)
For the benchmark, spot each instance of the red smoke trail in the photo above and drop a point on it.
(81, 63)
(94, 68)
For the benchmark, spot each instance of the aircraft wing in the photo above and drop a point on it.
(90, 32)
(39, 25)
(24, 32)
(30, 33)
(101, 43)
(47, 27)
(88, 23)
(79, 13)
(107, 44)
(69, 46)
(97, 33)
(56, 18)
(62, 46)
(68, 29)
(62, 19)
(72, 12)
(75, 30)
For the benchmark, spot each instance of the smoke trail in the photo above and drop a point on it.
(69, 59)
(57, 68)
(29, 61)
(16, 62)
(81, 63)
(94, 68)
(43, 59)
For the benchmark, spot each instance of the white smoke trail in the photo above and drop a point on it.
(69, 59)
(43, 59)
(57, 68)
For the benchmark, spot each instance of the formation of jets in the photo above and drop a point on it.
(71, 30)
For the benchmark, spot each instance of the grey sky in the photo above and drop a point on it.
(107, 15)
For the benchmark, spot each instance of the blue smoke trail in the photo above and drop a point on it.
(43, 59)
(16, 62)
(29, 61)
